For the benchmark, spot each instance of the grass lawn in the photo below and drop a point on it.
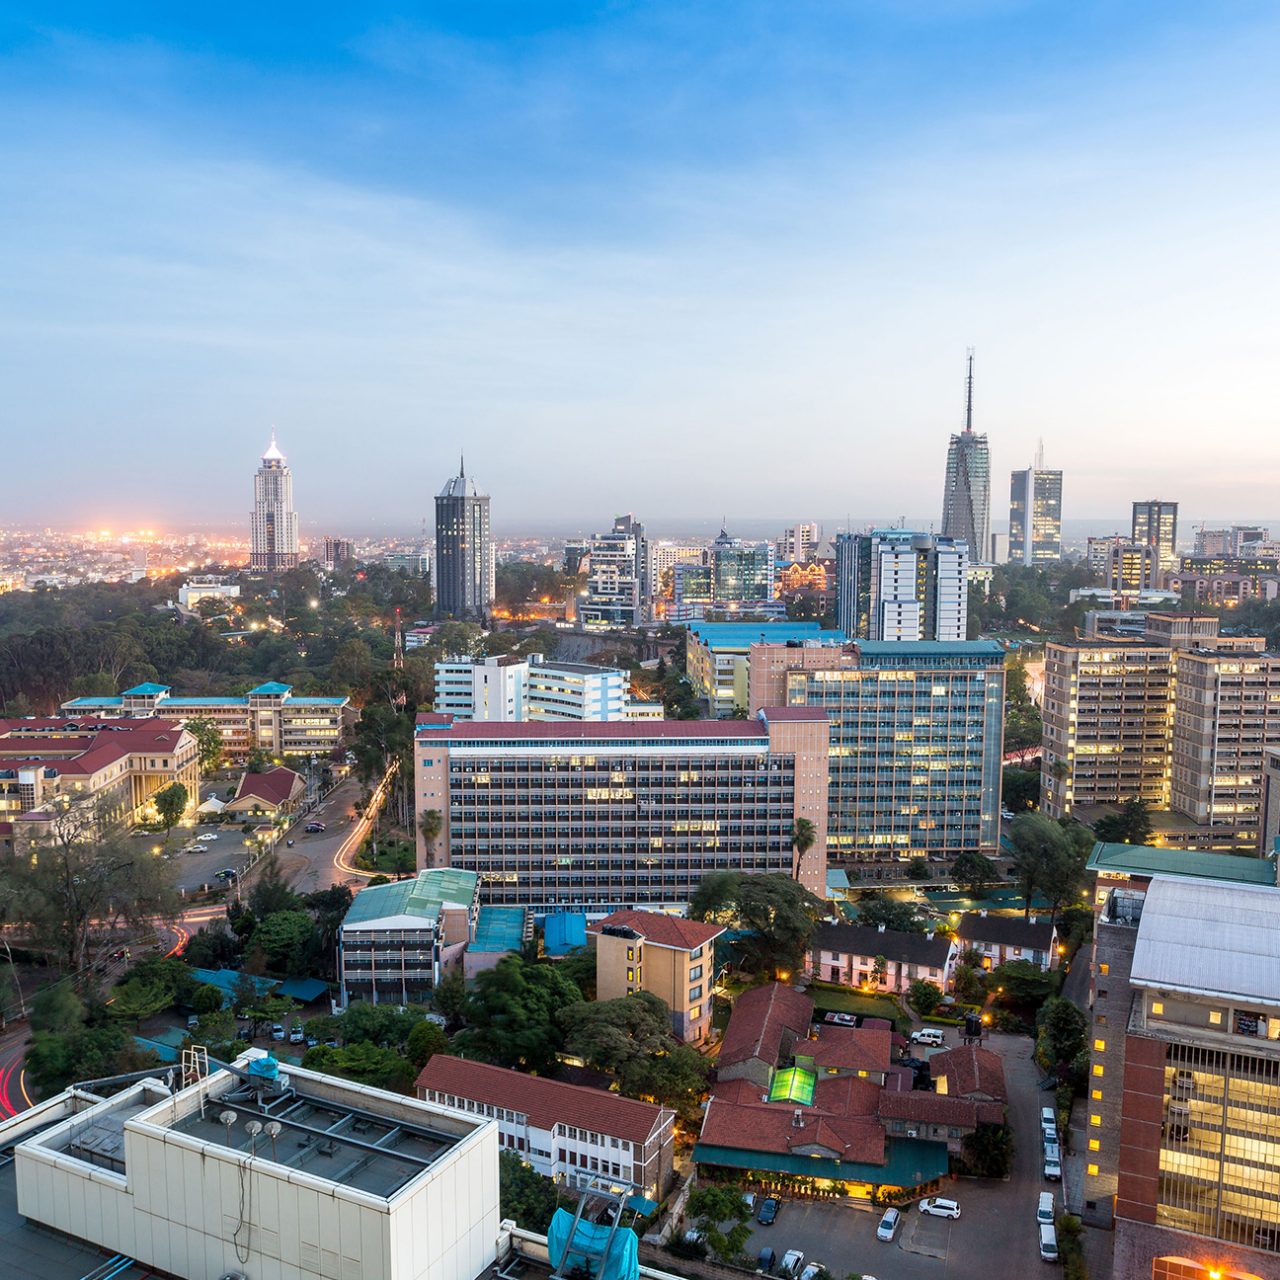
(842, 1000)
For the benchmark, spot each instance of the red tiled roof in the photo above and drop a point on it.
(771, 1127)
(274, 786)
(590, 730)
(759, 1018)
(970, 1069)
(849, 1048)
(938, 1108)
(663, 930)
(846, 1096)
(88, 753)
(546, 1102)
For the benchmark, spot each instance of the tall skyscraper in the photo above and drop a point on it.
(273, 531)
(1155, 523)
(896, 584)
(966, 501)
(1035, 515)
(464, 549)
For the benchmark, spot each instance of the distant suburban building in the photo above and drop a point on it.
(1035, 516)
(917, 733)
(569, 1133)
(897, 584)
(593, 816)
(848, 954)
(417, 564)
(733, 577)
(508, 688)
(1155, 524)
(966, 500)
(464, 549)
(1234, 541)
(716, 656)
(211, 587)
(666, 955)
(396, 939)
(337, 552)
(346, 1180)
(1001, 939)
(270, 717)
(273, 530)
(273, 793)
(50, 764)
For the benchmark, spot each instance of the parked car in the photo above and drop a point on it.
(928, 1035)
(1046, 1210)
(312, 1042)
(841, 1019)
(193, 1021)
(1052, 1165)
(208, 835)
(297, 1035)
(812, 1271)
(277, 1031)
(768, 1214)
(1048, 1242)
(694, 1236)
(765, 1262)
(792, 1262)
(888, 1224)
(749, 1201)
(1049, 1119)
(313, 828)
(940, 1207)
(1007, 814)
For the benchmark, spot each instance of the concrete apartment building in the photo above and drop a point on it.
(1182, 718)
(1270, 841)
(1183, 1147)
(396, 939)
(593, 816)
(716, 656)
(508, 688)
(668, 956)
(917, 733)
(270, 718)
(245, 1171)
(51, 763)
(569, 1133)
(899, 584)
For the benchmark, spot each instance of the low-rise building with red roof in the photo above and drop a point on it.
(274, 792)
(969, 1071)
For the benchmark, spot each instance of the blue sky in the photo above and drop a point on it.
(675, 258)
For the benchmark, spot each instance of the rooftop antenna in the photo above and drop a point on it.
(1040, 454)
(462, 466)
(968, 395)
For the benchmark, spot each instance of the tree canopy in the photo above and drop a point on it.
(777, 913)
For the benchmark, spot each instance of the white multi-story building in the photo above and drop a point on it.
(799, 542)
(207, 588)
(663, 558)
(511, 689)
(615, 588)
(273, 532)
(567, 1132)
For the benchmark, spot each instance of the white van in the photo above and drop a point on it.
(1045, 1210)
(1048, 1242)
(928, 1035)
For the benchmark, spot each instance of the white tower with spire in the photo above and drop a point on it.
(273, 531)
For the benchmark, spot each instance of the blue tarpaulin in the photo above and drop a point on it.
(225, 980)
(304, 989)
(587, 1247)
(562, 932)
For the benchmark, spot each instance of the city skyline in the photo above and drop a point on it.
(787, 232)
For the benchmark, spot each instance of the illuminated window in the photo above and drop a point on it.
(1095, 1144)
(1215, 1017)
(1097, 1068)
(1096, 1095)
(1157, 1007)
(1104, 969)
(1093, 1170)
(1100, 1046)
(1096, 1121)
(631, 975)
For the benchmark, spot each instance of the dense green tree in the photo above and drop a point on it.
(525, 1196)
(363, 1062)
(713, 1205)
(207, 1000)
(1021, 789)
(1038, 843)
(776, 913)
(137, 998)
(288, 941)
(676, 1078)
(208, 738)
(270, 891)
(607, 1034)
(1061, 1028)
(876, 908)
(171, 804)
(988, 1151)
(450, 996)
(1020, 983)
(974, 871)
(424, 1041)
(1131, 824)
(579, 966)
(924, 997)
(213, 947)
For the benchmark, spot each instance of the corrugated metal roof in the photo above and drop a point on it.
(1203, 936)
(421, 896)
(1146, 860)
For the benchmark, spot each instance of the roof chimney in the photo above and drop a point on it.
(797, 1119)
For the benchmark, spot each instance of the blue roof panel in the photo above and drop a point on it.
(563, 932)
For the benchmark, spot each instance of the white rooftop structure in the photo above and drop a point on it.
(1206, 937)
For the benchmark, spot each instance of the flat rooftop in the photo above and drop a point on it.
(1148, 860)
(328, 1139)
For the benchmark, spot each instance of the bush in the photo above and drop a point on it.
(1071, 1248)
(1007, 1021)
(924, 997)
(988, 1151)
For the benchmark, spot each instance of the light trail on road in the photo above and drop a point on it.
(359, 830)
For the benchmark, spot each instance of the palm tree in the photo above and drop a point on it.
(431, 824)
(802, 839)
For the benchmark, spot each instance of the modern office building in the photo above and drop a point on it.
(966, 499)
(733, 577)
(209, 587)
(337, 552)
(572, 1134)
(270, 718)
(1131, 568)
(663, 558)
(1183, 1145)
(1035, 516)
(666, 955)
(896, 584)
(1155, 524)
(247, 1171)
(716, 656)
(597, 816)
(800, 542)
(617, 593)
(273, 528)
(417, 564)
(917, 731)
(396, 939)
(464, 549)
(508, 688)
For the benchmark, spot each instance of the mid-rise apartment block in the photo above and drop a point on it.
(508, 688)
(895, 584)
(569, 1133)
(1035, 516)
(663, 556)
(716, 656)
(1229, 542)
(666, 955)
(595, 815)
(1182, 1146)
(917, 732)
(270, 717)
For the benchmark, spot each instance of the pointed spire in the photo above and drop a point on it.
(273, 453)
(968, 396)
(462, 466)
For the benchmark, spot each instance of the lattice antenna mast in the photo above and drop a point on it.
(968, 395)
